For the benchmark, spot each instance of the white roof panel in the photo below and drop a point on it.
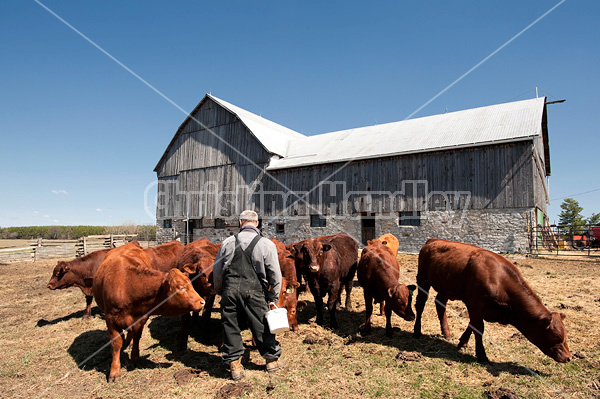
(274, 137)
(478, 126)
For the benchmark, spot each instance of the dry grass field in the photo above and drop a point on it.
(48, 351)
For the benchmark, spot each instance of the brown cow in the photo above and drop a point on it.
(164, 257)
(288, 297)
(389, 240)
(378, 274)
(328, 264)
(493, 290)
(129, 290)
(79, 272)
(196, 262)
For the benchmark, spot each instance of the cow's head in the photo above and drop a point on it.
(312, 253)
(400, 300)
(62, 276)
(288, 299)
(179, 294)
(197, 264)
(551, 337)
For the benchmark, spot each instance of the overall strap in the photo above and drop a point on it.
(250, 248)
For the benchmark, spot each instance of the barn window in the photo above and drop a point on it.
(410, 218)
(219, 223)
(280, 228)
(317, 221)
(167, 224)
(195, 224)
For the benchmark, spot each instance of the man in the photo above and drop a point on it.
(247, 275)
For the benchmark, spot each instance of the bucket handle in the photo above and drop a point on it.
(274, 304)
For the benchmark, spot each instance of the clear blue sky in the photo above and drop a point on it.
(81, 135)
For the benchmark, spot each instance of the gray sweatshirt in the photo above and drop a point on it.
(264, 258)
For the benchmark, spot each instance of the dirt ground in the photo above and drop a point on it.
(49, 351)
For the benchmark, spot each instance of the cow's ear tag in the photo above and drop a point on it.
(289, 290)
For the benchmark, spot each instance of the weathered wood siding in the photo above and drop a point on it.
(215, 156)
(217, 175)
(220, 140)
(496, 177)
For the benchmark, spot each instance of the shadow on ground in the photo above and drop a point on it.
(436, 347)
(75, 315)
(91, 351)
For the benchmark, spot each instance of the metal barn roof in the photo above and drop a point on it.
(508, 122)
(273, 137)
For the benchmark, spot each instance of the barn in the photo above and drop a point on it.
(477, 176)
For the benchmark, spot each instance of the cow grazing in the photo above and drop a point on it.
(79, 272)
(378, 274)
(164, 257)
(328, 264)
(196, 261)
(288, 297)
(129, 290)
(493, 290)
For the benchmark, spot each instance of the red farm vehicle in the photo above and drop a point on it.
(589, 239)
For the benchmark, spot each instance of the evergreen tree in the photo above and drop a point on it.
(594, 219)
(571, 217)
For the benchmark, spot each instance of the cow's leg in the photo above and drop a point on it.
(419, 306)
(440, 307)
(116, 341)
(186, 321)
(464, 338)
(366, 329)
(88, 307)
(348, 285)
(476, 324)
(127, 338)
(334, 295)
(388, 322)
(319, 308)
(206, 313)
(136, 331)
(382, 308)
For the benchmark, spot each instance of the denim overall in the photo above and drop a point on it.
(243, 303)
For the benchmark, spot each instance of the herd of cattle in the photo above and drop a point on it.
(131, 283)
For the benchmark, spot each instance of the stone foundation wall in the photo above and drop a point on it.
(502, 231)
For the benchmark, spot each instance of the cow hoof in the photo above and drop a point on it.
(113, 378)
(86, 317)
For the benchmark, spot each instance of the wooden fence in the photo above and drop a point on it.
(56, 249)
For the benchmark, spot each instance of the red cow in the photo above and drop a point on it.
(288, 297)
(378, 273)
(164, 257)
(389, 240)
(129, 291)
(328, 264)
(196, 262)
(493, 290)
(79, 272)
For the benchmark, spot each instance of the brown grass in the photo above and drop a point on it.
(46, 346)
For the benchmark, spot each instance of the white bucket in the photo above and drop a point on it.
(277, 320)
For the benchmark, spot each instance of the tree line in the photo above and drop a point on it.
(144, 232)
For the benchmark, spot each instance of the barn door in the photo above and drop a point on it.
(367, 223)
